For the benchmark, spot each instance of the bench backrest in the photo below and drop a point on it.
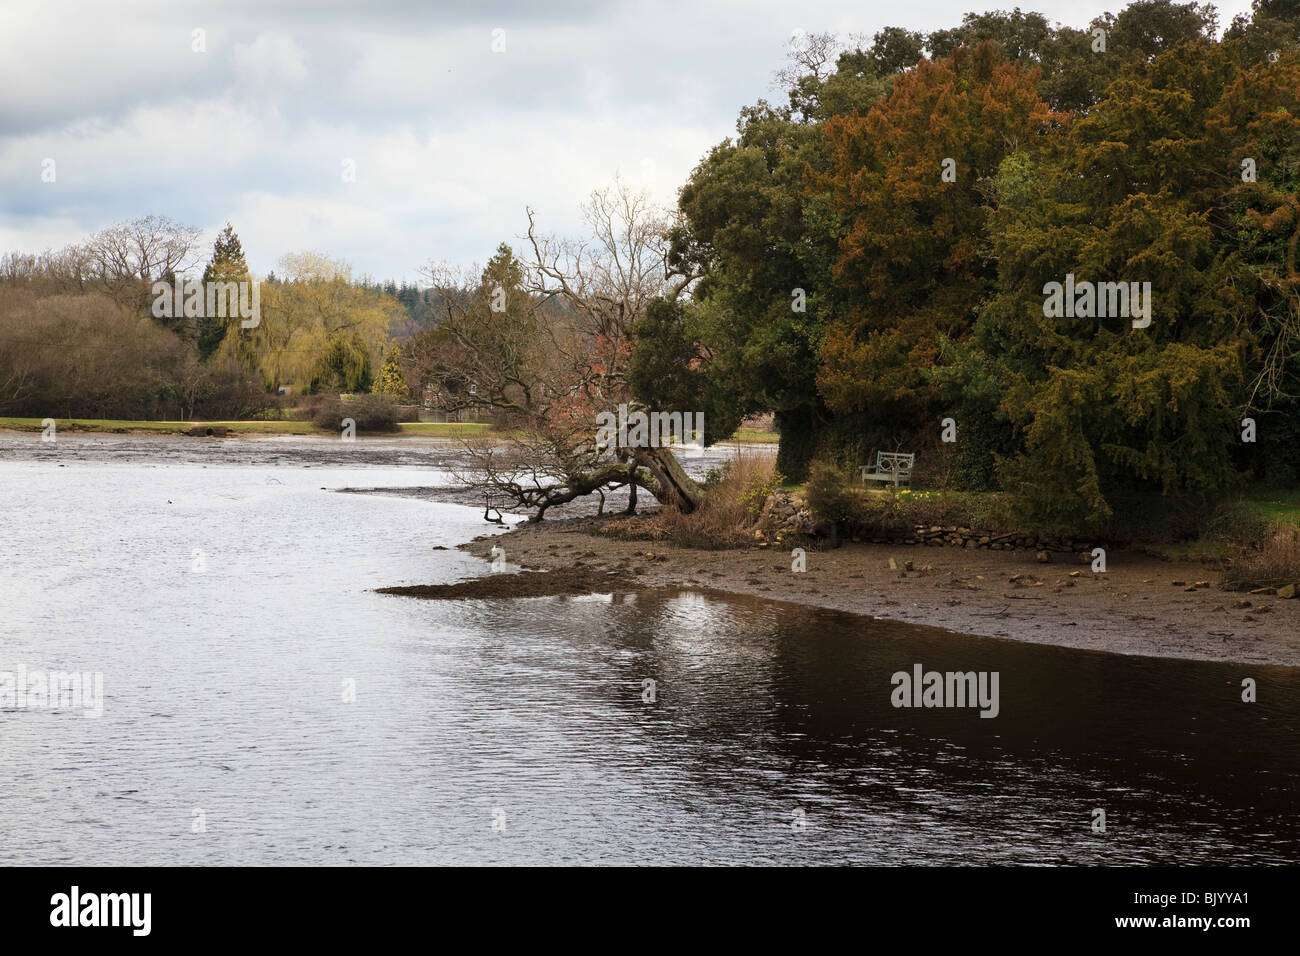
(894, 462)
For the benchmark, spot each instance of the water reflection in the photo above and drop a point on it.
(764, 708)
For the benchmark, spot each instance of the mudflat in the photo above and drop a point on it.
(1140, 605)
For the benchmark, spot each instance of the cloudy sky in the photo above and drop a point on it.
(448, 138)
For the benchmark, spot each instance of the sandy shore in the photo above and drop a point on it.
(1134, 608)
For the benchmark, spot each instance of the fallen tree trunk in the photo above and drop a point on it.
(532, 478)
(672, 486)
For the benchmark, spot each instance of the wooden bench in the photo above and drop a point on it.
(892, 466)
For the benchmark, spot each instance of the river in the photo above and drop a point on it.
(262, 705)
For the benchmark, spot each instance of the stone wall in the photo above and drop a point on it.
(785, 516)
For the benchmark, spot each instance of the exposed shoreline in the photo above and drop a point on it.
(1133, 608)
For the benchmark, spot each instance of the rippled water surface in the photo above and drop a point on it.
(224, 693)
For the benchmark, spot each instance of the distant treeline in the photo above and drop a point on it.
(81, 336)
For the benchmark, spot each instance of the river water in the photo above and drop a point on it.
(262, 705)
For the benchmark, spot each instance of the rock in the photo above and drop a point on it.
(1262, 591)
(1287, 592)
(1042, 557)
(1190, 587)
(1177, 584)
(1239, 605)
(893, 565)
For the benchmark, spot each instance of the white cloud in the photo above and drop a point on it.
(273, 59)
(450, 140)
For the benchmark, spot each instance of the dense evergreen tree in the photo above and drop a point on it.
(227, 265)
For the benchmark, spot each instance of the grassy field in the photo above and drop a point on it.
(423, 429)
(1281, 506)
(755, 435)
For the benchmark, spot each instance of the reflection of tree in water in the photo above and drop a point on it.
(794, 702)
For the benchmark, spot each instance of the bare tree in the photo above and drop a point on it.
(549, 354)
(126, 257)
(808, 54)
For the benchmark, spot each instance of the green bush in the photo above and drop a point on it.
(829, 494)
(757, 490)
(832, 496)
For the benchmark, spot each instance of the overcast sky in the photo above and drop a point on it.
(449, 139)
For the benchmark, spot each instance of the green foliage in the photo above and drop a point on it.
(757, 490)
(661, 371)
(828, 492)
(1105, 409)
(762, 302)
(832, 494)
(227, 265)
(344, 366)
(392, 382)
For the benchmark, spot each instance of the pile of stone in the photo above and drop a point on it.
(784, 516)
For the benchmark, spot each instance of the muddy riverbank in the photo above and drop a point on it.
(1134, 608)
(1141, 605)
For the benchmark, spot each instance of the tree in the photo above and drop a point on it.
(392, 382)
(312, 316)
(124, 259)
(1272, 30)
(1256, 131)
(1107, 411)
(227, 265)
(344, 365)
(763, 244)
(911, 269)
(546, 345)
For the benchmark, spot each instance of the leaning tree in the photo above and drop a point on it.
(544, 345)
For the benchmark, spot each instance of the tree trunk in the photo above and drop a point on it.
(631, 488)
(674, 485)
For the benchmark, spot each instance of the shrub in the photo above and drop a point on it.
(1275, 564)
(1235, 522)
(371, 413)
(732, 501)
(832, 496)
(85, 356)
(829, 493)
